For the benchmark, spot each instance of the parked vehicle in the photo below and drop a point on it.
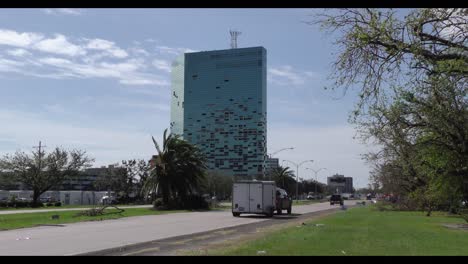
(336, 198)
(253, 197)
(283, 201)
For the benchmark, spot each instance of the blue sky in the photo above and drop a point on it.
(99, 80)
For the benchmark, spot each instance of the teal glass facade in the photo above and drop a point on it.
(218, 102)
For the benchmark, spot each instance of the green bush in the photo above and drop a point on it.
(464, 214)
(49, 204)
(34, 205)
(158, 203)
(58, 204)
(191, 202)
(195, 202)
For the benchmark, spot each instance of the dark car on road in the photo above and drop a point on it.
(336, 198)
(283, 201)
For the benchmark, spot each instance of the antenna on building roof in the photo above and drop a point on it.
(234, 35)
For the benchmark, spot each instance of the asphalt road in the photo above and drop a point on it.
(29, 211)
(80, 238)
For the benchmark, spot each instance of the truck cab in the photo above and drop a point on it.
(336, 199)
(283, 201)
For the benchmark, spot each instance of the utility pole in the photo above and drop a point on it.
(40, 154)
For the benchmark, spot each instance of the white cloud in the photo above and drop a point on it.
(59, 45)
(13, 38)
(107, 46)
(81, 58)
(63, 11)
(126, 72)
(7, 65)
(150, 106)
(139, 51)
(287, 75)
(19, 52)
(162, 65)
(174, 51)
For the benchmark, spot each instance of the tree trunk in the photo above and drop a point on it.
(36, 194)
(429, 210)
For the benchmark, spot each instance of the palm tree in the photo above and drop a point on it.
(282, 176)
(178, 168)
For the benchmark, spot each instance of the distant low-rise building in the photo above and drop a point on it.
(340, 184)
(271, 164)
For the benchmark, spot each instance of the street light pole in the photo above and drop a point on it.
(316, 181)
(271, 154)
(276, 152)
(297, 175)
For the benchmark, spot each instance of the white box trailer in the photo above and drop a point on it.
(253, 197)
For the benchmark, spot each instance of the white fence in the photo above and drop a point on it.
(65, 197)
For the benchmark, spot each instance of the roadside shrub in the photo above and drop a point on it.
(158, 203)
(385, 206)
(58, 204)
(49, 204)
(195, 202)
(35, 205)
(464, 214)
(191, 202)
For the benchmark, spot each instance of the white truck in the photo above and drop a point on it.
(253, 197)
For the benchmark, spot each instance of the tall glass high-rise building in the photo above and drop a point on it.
(219, 103)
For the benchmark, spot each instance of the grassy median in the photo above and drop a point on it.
(14, 221)
(361, 231)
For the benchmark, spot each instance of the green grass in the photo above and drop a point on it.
(14, 221)
(362, 231)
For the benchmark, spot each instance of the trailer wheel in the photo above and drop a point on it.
(289, 210)
(235, 214)
(280, 211)
(271, 212)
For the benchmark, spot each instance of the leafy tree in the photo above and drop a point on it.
(411, 72)
(126, 180)
(8, 181)
(218, 184)
(178, 169)
(284, 178)
(41, 171)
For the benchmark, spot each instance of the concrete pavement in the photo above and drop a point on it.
(79, 238)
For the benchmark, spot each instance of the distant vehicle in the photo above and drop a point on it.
(254, 197)
(283, 201)
(107, 200)
(336, 198)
